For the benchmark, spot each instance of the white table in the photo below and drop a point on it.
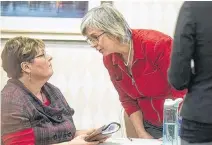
(126, 141)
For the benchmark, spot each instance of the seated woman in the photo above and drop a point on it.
(33, 110)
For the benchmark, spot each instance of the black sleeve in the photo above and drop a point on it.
(183, 47)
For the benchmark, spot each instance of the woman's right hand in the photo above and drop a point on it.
(145, 135)
(80, 140)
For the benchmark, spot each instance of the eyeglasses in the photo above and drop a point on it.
(94, 40)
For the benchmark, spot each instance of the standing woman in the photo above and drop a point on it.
(193, 42)
(137, 62)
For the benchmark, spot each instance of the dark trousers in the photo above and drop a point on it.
(155, 131)
(195, 132)
(183, 142)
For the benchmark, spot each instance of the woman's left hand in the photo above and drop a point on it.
(90, 131)
(82, 132)
(93, 134)
(97, 137)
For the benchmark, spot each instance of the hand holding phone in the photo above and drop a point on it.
(103, 132)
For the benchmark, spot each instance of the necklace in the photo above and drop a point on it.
(128, 58)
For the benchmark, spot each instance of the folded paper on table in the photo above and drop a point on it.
(105, 130)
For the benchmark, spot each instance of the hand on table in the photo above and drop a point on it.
(92, 135)
(95, 135)
(145, 135)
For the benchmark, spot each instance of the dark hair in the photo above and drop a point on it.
(18, 50)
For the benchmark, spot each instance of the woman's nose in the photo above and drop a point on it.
(49, 57)
(98, 48)
(94, 45)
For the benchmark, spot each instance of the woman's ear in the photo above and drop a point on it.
(26, 67)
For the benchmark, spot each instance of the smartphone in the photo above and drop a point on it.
(104, 131)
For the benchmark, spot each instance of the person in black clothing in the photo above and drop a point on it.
(193, 42)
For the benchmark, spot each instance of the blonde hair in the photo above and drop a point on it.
(107, 19)
(17, 50)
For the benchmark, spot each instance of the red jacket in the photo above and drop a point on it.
(148, 87)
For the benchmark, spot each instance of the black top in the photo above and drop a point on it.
(193, 41)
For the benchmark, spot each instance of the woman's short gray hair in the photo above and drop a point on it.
(107, 19)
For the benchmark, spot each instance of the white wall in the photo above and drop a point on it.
(150, 14)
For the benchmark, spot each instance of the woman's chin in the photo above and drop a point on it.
(106, 53)
(50, 73)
